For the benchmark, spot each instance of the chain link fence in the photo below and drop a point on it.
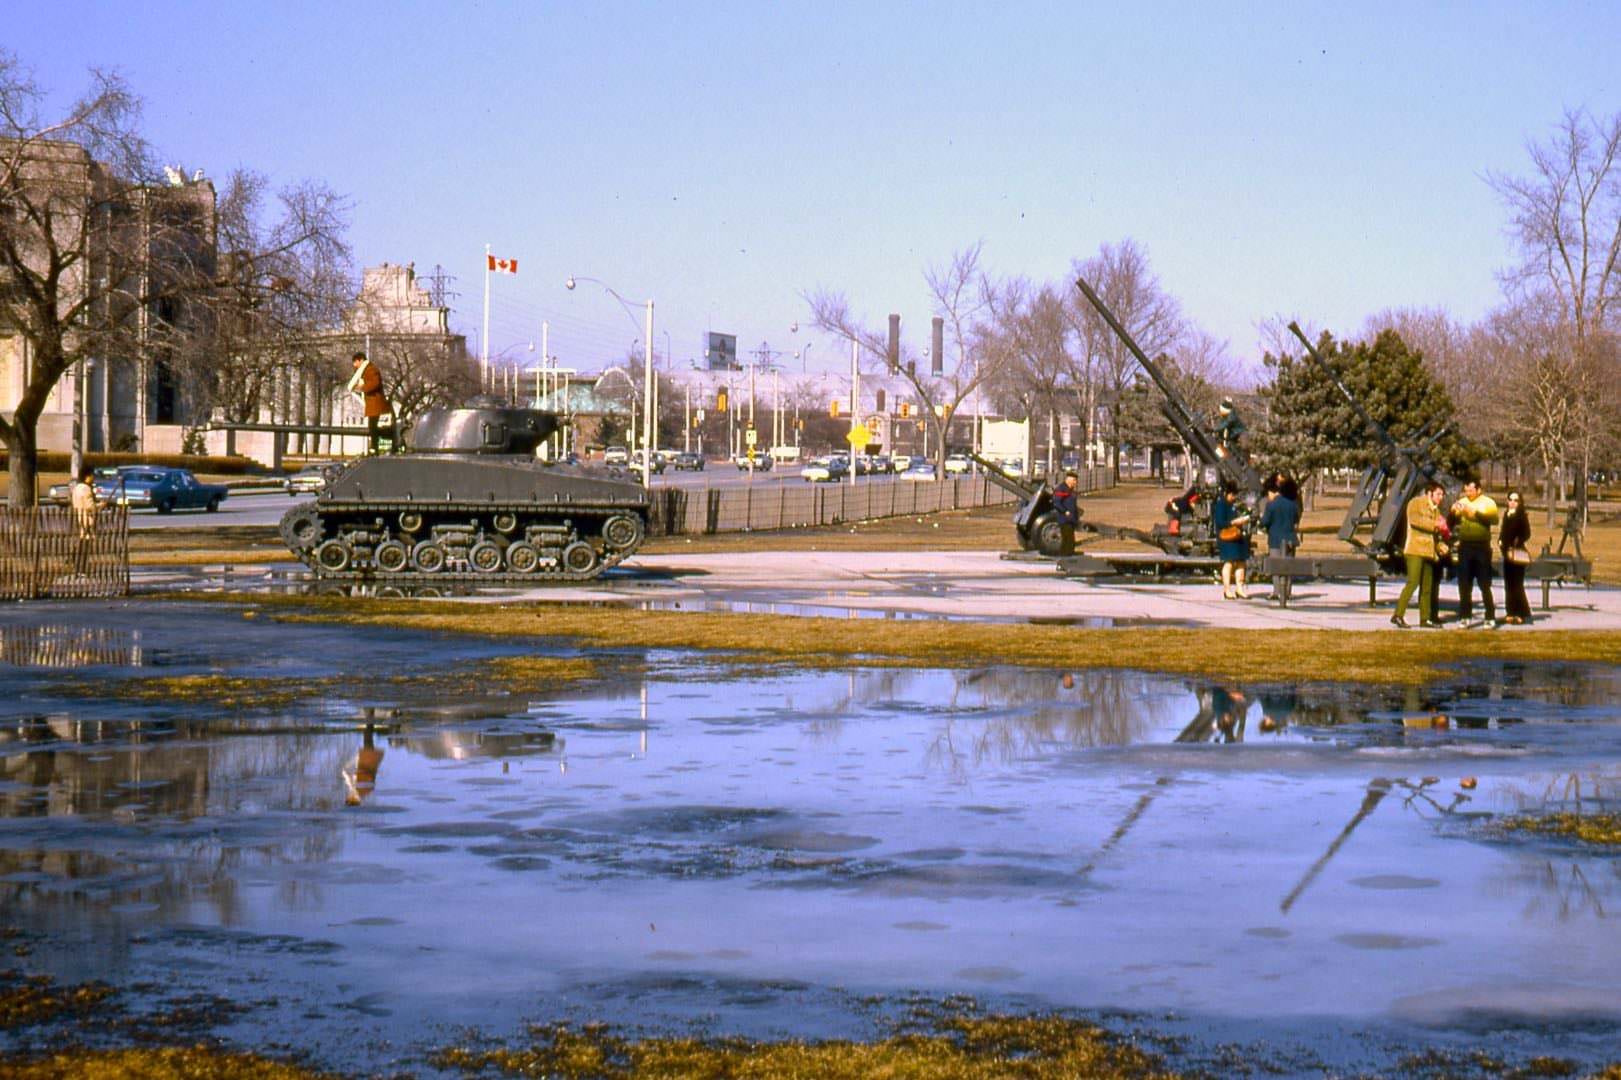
(792, 503)
(46, 551)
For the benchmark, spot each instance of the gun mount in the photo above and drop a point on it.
(1397, 474)
(1035, 521)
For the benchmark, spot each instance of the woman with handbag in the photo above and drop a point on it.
(1232, 544)
(1513, 536)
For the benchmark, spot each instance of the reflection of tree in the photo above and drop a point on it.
(1034, 714)
(199, 796)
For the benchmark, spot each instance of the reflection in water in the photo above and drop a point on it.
(63, 646)
(1025, 817)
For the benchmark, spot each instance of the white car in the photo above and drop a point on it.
(900, 462)
(825, 469)
(616, 455)
(957, 463)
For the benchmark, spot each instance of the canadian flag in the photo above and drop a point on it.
(502, 266)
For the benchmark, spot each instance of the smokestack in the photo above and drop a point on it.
(937, 345)
(894, 344)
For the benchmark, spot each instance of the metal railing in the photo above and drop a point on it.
(45, 552)
(791, 503)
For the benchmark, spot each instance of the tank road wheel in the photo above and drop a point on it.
(522, 558)
(579, 558)
(301, 527)
(622, 531)
(1049, 535)
(485, 557)
(428, 557)
(505, 522)
(333, 556)
(410, 521)
(391, 556)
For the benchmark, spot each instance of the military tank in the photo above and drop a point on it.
(469, 500)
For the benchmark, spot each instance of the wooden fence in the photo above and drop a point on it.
(792, 503)
(43, 553)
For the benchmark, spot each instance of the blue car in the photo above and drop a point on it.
(164, 490)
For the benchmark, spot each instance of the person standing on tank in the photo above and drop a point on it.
(367, 384)
(1068, 511)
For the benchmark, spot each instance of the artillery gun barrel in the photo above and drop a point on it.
(1176, 410)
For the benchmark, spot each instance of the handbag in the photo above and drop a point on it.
(1518, 556)
(1231, 532)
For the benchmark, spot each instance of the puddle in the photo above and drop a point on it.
(760, 854)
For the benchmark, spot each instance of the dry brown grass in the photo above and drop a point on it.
(1291, 655)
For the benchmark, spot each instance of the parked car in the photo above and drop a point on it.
(58, 494)
(762, 461)
(825, 469)
(920, 469)
(313, 478)
(689, 462)
(654, 461)
(901, 462)
(881, 463)
(616, 455)
(163, 490)
(957, 463)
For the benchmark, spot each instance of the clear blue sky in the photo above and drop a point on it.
(1320, 161)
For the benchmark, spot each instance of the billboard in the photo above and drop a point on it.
(721, 352)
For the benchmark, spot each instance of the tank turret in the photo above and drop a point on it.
(470, 500)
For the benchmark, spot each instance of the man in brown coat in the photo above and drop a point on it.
(1423, 518)
(367, 384)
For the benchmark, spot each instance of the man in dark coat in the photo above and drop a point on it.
(1068, 512)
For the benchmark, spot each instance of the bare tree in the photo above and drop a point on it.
(1120, 274)
(958, 292)
(285, 277)
(1566, 218)
(1030, 327)
(72, 232)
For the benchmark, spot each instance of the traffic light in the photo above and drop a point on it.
(906, 409)
(720, 401)
(833, 409)
(872, 424)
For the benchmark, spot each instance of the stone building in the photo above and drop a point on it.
(131, 250)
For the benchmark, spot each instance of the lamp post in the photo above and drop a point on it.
(647, 371)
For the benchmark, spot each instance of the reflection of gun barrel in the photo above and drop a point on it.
(1137, 810)
(1377, 790)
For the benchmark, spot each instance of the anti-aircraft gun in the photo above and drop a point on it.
(1036, 522)
(1397, 474)
(1229, 463)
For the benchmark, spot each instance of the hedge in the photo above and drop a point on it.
(57, 461)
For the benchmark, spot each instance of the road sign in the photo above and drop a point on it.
(750, 436)
(858, 437)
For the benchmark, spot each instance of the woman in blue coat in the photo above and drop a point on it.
(1229, 519)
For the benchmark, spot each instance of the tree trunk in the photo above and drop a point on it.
(23, 467)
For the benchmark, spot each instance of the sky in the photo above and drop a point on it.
(1310, 160)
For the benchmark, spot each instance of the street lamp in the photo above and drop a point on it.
(647, 370)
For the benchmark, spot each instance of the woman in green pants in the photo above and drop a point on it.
(1423, 517)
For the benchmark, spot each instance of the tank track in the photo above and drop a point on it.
(410, 543)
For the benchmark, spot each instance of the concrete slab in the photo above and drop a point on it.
(982, 585)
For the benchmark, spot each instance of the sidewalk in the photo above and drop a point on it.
(982, 585)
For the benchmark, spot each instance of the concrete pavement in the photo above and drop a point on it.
(980, 586)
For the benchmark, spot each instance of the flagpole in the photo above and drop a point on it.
(484, 342)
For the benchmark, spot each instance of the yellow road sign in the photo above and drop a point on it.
(858, 437)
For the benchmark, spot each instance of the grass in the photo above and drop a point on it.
(955, 1048)
(1282, 655)
(1602, 829)
(153, 1063)
(506, 674)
